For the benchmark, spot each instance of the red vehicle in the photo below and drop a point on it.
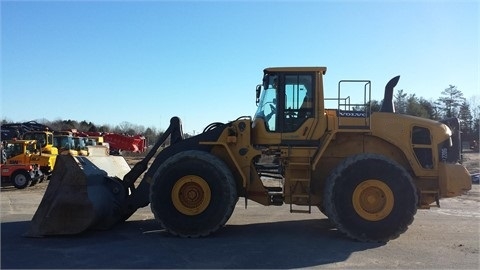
(119, 142)
(21, 175)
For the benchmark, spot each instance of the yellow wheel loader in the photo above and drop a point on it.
(367, 171)
(48, 152)
(45, 138)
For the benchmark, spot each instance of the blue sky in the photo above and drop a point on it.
(144, 62)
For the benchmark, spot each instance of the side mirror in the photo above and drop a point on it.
(257, 94)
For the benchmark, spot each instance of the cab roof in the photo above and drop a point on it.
(323, 70)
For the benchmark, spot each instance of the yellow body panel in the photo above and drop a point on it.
(310, 153)
(45, 138)
(26, 152)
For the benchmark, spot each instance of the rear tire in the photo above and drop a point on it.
(193, 194)
(21, 179)
(370, 198)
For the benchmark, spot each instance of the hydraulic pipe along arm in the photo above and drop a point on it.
(176, 135)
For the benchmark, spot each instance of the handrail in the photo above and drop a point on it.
(367, 98)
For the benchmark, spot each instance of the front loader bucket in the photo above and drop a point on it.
(84, 193)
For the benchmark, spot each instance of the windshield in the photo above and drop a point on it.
(31, 148)
(267, 105)
(40, 137)
(13, 149)
(79, 143)
(63, 142)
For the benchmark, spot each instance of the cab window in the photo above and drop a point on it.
(299, 101)
(267, 107)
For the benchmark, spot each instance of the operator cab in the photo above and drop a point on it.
(287, 106)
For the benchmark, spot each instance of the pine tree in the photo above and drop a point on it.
(415, 108)
(400, 101)
(451, 102)
(466, 119)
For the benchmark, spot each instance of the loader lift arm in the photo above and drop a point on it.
(139, 195)
(176, 135)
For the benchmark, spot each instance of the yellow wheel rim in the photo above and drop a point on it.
(373, 200)
(191, 195)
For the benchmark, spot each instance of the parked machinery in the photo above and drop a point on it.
(117, 143)
(44, 138)
(63, 141)
(21, 175)
(16, 130)
(18, 166)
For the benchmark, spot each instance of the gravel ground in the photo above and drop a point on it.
(256, 237)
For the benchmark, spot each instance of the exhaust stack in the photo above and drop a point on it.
(387, 104)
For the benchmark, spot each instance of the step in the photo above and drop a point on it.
(274, 189)
(300, 211)
(437, 201)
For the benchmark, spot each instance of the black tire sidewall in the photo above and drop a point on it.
(219, 180)
(20, 173)
(368, 167)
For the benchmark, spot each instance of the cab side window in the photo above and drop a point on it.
(299, 101)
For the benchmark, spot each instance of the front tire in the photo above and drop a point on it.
(370, 198)
(21, 179)
(193, 194)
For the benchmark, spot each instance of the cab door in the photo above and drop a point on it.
(296, 115)
(286, 113)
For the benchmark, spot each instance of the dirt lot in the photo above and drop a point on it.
(256, 237)
(471, 160)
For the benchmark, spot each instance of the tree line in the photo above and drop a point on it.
(450, 104)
